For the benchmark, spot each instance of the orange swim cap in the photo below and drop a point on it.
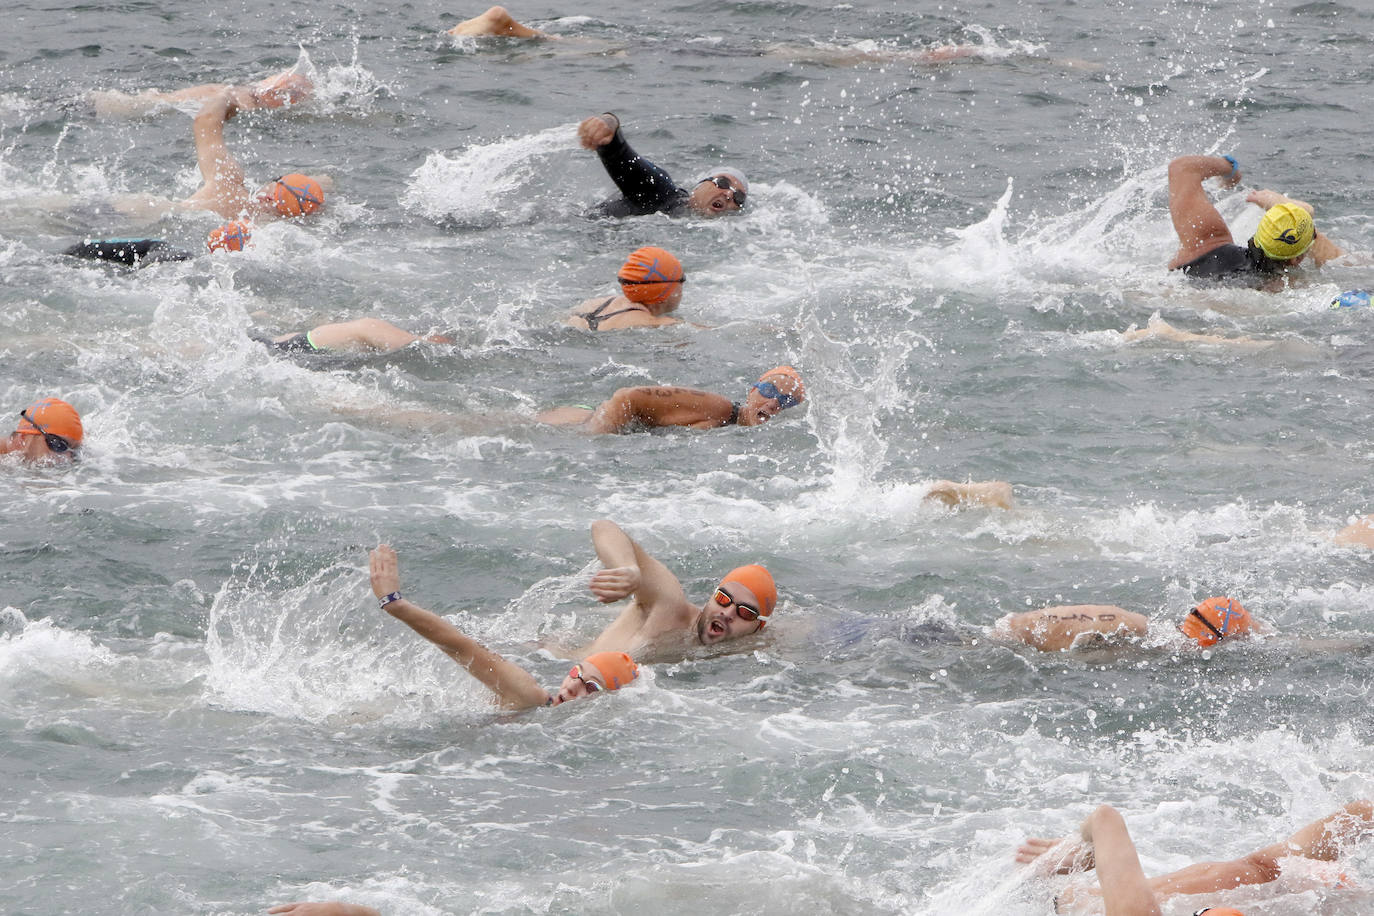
(295, 195)
(787, 380)
(1216, 619)
(232, 236)
(759, 581)
(649, 275)
(616, 668)
(52, 416)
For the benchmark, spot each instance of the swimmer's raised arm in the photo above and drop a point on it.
(515, 688)
(630, 570)
(1198, 223)
(1125, 889)
(222, 173)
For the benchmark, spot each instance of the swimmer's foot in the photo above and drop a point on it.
(1055, 856)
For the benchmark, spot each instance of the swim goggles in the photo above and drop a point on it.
(56, 443)
(770, 391)
(724, 184)
(745, 612)
(576, 672)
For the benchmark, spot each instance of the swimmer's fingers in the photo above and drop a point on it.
(385, 571)
(614, 584)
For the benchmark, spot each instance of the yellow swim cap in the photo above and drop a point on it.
(1285, 232)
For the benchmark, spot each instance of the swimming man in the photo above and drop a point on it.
(646, 188)
(652, 406)
(1058, 629)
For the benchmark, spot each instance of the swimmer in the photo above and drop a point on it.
(652, 406)
(514, 687)
(276, 91)
(1106, 845)
(646, 188)
(49, 432)
(225, 190)
(495, 23)
(1159, 329)
(361, 335)
(1059, 629)
(659, 623)
(1286, 235)
(651, 285)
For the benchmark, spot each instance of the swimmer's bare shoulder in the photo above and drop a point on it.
(1058, 629)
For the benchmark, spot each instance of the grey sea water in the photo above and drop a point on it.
(202, 709)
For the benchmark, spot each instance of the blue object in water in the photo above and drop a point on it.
(1351, 299)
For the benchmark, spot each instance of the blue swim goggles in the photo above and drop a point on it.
(770, 391)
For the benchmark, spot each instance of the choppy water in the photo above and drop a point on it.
(201, 709)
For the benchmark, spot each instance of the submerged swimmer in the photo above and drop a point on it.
(514, 687)
(495, 23)
(1059, 629)
(653, 406)
(646, 188)
(1105, 844)
(660, 623)
(288, 87)
(1286, 235)
(651, 284)
(361, 335)
(49, 432)
(225, 189)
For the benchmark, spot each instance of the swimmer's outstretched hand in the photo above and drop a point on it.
(326, 908)
(1061, 856)
(614, 584)
(385, 571)
(598, 130)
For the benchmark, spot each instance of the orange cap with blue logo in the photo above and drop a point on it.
(616, 668)
(295, 195)
(1214, 620)
(649, 275)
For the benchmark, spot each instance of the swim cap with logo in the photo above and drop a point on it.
(1351, 299)
(787, 380)
(649, 275)
(1285, 232)
(232, 236)
(616, 668)
(759, 581)
(52, 416)
(295, 195)
(1215, 619)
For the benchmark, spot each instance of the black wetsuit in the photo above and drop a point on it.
(595, 316)
(1231, 262)
(645, 186)
(133, 252)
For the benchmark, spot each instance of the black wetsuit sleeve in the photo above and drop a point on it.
(645, 186)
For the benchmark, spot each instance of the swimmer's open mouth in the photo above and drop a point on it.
(716, 628)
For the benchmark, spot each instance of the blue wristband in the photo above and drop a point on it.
(387, 599)
(1235, 166)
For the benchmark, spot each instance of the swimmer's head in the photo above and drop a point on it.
(652, 276)
(740, 605)
(1214, 620)
(776, 390)
(55, 427)
(724, 190)
(232, 236)
(597, 672)
(1285, 232)
(1351, 299)
(293, 195)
